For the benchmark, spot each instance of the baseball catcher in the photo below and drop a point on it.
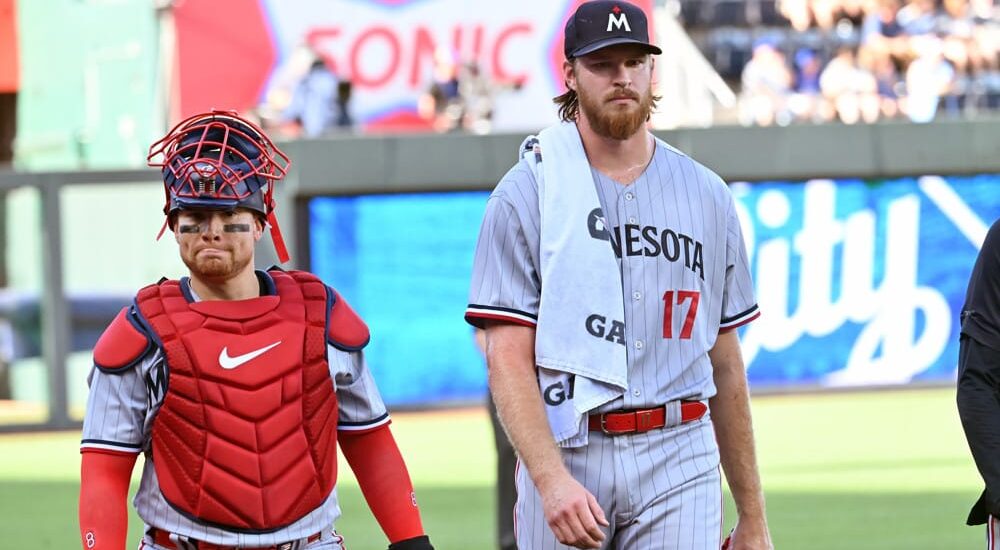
(235, 384)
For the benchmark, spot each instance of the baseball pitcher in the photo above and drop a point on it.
(609, 275)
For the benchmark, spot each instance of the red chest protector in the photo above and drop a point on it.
(246, 435)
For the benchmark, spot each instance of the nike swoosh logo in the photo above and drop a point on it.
(227, 362)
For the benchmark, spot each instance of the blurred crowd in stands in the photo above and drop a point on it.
(851, 60)
(460, 96)
(790, 61)
(310, 100)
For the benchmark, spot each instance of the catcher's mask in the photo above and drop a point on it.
(220, 161)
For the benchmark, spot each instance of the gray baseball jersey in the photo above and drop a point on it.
(120, 411)
(685, 278)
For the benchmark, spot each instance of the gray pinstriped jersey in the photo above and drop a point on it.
(685, 274)
(121, 408)
(685, 277)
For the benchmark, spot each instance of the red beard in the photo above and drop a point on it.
(613, 121)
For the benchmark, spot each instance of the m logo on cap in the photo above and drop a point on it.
(586, 31)
(618, 20)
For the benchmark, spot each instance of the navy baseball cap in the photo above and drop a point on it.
(604, 23)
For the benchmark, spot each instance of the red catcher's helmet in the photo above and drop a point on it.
(220, 161)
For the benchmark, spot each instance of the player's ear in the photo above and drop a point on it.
(569, 74)
(258, 228)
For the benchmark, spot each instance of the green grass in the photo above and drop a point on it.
(875, 470)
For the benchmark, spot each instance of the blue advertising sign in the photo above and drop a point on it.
(404, 263)
(859, 282)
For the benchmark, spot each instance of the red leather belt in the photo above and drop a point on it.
(643, 420)
(162, 538)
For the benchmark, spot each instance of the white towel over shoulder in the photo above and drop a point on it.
(580, 277)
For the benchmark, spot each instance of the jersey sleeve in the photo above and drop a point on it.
(505, 283)
(117, 409)
(739, 305)
(360, 406)
(981, 312)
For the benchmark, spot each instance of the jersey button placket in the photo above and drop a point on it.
(631, 207)
(632, 276)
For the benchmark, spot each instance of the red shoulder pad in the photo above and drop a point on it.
(122, 344)
(346, 330)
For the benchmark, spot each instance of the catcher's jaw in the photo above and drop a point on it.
(222, 160)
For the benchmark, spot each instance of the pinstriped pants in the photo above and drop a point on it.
(660, 489)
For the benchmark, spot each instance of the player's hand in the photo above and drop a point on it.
(749, 535)
(573, 513)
